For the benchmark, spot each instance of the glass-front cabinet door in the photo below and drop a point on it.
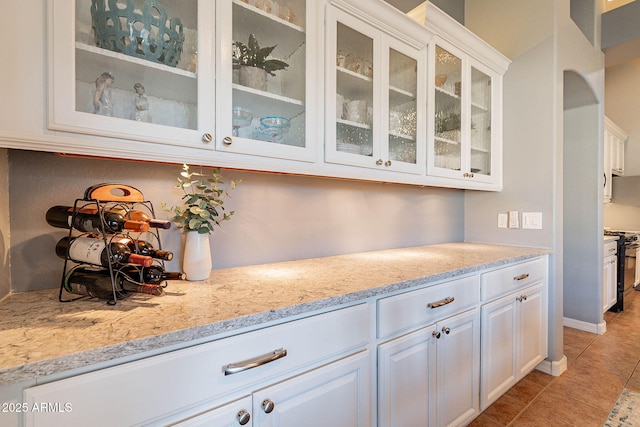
(132, 69)
(447, 140)
(463, 142)
(372, 97)
(264, 67)
(480, 126)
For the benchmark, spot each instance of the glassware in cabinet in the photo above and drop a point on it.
(448, 110)
(374, 96)
(480, 122)
(263, 74)
(139, 71)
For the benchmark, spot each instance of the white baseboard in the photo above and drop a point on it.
(553, 367)
(594, 328)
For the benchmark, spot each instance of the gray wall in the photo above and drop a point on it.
(543, 42)
(582, 240)
(277, 217)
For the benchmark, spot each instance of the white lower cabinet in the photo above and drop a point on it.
(296, 365)
(514, 328)
(431, 376)
(609, 275)
(333, 395)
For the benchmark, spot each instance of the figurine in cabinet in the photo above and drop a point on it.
(102, 96)
(141, 112)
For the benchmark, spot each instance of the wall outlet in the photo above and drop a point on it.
(514, 221)
(502, 220)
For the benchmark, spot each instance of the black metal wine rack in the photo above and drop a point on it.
(100, 198)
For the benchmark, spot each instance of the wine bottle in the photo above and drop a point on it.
(87, 221)
(93, 250)
(142, 288)
(143, 247)
(89, 281)
(83, 280)
(137, 215)
(152, 275)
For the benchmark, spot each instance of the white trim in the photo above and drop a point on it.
(594, 328)
(553, 367)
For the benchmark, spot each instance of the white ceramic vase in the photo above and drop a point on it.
(197, 263)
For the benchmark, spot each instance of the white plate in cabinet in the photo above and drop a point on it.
(508, 279)
(160, 386)
(418, 308)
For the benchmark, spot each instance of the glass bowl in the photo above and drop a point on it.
(273, 128)
(241, 117)
(275, 124)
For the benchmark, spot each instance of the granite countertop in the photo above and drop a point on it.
(40, 336)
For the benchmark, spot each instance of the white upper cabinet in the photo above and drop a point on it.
(351, 89)
(267, 75)
(464, 141)
(375, 96)
(132, 70)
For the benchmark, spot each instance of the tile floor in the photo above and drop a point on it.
(599, 367)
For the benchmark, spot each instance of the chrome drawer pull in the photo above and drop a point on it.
(447, 300)
(234, 368)
(521, 277)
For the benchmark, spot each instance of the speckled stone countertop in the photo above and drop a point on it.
(40, 336)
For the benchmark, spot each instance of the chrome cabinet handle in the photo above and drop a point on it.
(446, 330)
(268, 406)
(243, 417)
(234, 368)
(207, 138)
(379, 162)
(521, 277)
(521, 298)
(387, 163)
(227, 140)
(436, 304)
(436, 334)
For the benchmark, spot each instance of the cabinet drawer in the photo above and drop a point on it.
(417, 308)
(508, 279)
(610, 248)
(159, 386)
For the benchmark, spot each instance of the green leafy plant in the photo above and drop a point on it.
(252, 55)
(203, 201)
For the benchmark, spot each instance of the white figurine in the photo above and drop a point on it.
(102, 97)
(141, 112)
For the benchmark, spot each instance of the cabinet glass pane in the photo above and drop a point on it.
(480, 122)
(138, 64)
(448, 108)
(354, 97)
(403, 80)
(269, 59)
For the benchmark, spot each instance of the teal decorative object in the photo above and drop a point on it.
(146, 34)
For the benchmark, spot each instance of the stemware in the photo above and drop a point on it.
(241, 117)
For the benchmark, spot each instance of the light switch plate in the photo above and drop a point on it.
(513, 219)
(532, 220)
(502, 220)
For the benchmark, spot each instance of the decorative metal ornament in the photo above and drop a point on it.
(149, 34)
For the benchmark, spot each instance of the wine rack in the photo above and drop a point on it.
(124, 199)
